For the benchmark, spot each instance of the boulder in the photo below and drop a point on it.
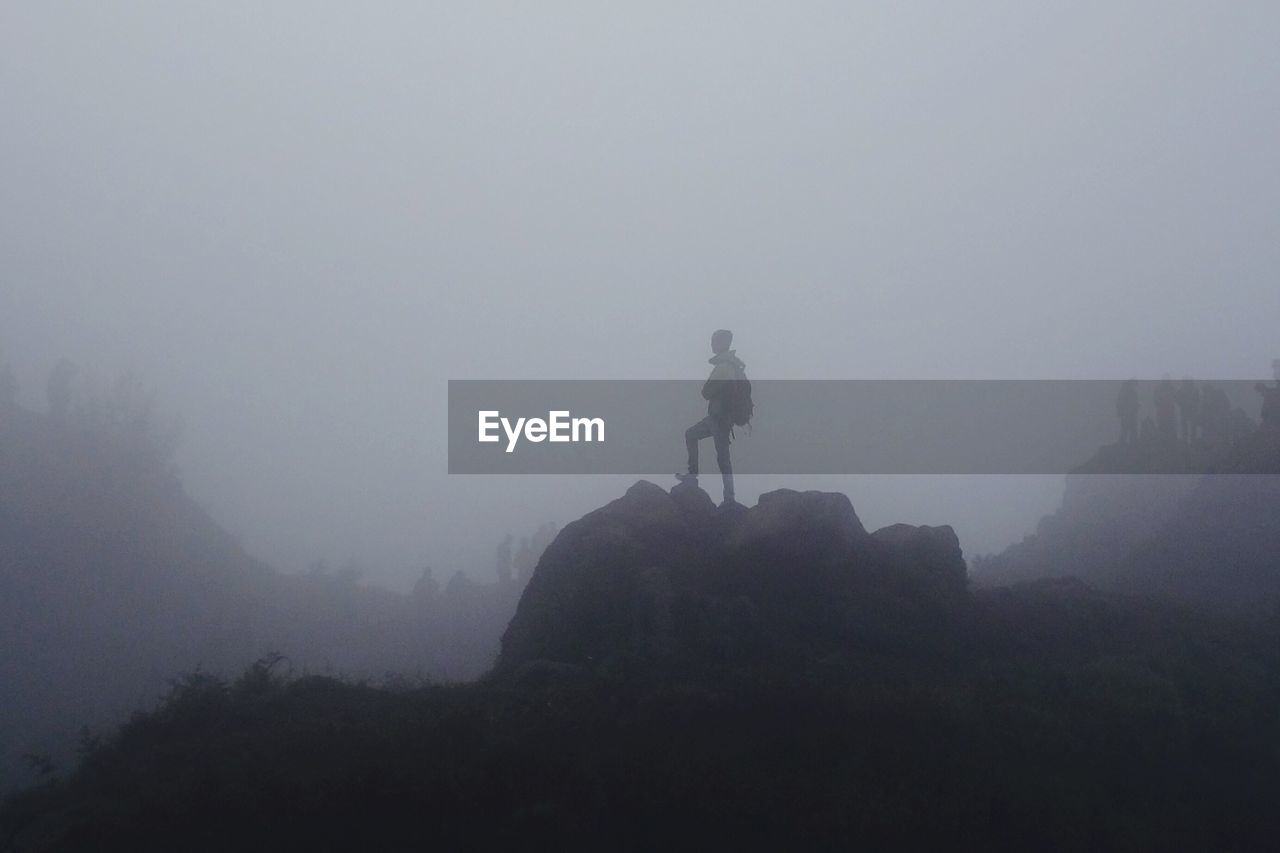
(934, 550)
(667, 578)
(592, 593)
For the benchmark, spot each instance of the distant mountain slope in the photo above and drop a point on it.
(113, 581)
(1222, 544)
(1174, 520)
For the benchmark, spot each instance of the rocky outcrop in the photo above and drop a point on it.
(659, 578)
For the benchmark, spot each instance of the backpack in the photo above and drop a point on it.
(737, 403)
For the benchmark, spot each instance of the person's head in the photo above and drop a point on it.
(721, 340)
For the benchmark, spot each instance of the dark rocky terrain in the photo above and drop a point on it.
(684, 676)
(671, 581)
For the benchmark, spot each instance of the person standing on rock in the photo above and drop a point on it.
(728, 395)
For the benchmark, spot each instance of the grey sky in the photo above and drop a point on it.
(297, 220)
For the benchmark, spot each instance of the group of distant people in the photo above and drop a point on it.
(511, 567)
(519, 567)
(1183, 411)
(1188, 411)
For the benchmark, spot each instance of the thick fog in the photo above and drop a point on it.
(296, 221)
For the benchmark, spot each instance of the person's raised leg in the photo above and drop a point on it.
(692, 436)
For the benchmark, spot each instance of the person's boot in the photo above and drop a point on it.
(691, 479)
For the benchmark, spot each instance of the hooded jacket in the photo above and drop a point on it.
(726, 367)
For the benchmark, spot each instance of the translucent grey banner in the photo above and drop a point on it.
(637, 427)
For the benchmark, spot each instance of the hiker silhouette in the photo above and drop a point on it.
(1189, 404)
(726, 405)
(1127, 406)
(1166, 402)
(427, 588)
(1215, 411)
(1271, 399)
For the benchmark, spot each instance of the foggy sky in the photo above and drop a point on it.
(297, 220)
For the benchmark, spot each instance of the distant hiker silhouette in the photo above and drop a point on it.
(427, 588)
(1127, 409)
(1166, 400)
(1147, 434)
(728, 395)
(1189, 410)
(1215, 410)
(1271, 399)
